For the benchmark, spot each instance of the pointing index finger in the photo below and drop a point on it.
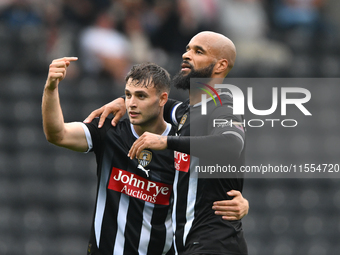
(66, 59)
(71, 58)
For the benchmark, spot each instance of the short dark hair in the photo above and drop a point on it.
(146, 74)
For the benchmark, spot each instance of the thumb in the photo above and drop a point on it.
(233, 193)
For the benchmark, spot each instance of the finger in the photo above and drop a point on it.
(103, 117)
(229, 218)
(118, 115)
(71, 59)
(93, 114)
(101, 121)
(221, 209)
(234, 193)
(139, 149)
(222, 213)
(133, 149)
(225, 203)
(56, 75)
(114, 122)
(66, 59)
(58, 64)
(57, 70)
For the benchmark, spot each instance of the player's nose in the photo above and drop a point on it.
(186, 55)
(132, 103)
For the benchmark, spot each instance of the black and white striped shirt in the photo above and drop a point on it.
(197, 229)
(134, 197)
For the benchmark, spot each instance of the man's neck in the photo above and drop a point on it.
(195, 96)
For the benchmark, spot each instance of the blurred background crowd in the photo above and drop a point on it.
(47, 193)
(270, 35)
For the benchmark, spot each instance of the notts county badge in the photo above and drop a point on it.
(183, 120)
(144, 158)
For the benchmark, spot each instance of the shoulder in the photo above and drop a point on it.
(122, 126)
(181, 108)
(226, 97)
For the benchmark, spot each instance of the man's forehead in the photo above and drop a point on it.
(134, 85)
(200, 42)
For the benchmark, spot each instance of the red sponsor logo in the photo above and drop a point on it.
(182, 161)
(135, 186)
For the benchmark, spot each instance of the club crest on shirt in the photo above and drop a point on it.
(144, 158)
(183, 120)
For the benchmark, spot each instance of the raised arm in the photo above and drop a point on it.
(68, 135)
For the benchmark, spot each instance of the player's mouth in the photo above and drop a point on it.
(133, 114)
(186, 66)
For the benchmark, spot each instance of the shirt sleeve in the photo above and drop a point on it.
(208, 146)
(88, 137)
(223, 122)
(95, 135)
(225, 139)
(170, 111)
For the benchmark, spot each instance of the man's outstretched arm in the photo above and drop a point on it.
(215, 143)
(68, 135)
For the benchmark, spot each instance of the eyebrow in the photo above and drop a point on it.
(197, 47)
(137, 92)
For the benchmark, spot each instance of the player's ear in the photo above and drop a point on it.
(221, 66)
(163, 98)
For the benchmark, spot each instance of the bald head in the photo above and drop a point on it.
(219, 45)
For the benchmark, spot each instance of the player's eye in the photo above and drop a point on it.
(127, 95)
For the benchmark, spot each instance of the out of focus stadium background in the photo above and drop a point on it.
(47, 193)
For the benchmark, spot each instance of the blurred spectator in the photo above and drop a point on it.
(4, 3)
(25, 35)
(60, 37)
(176, 25)
(20, 13)
(129, 16)
(301, 23)
(331, 9)
(246, 23)
(298, 13)
(205, 13)
(82, 12)
(140, 43)
(158, 31)
(104, 50)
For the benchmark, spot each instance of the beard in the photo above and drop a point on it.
(182, 81)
